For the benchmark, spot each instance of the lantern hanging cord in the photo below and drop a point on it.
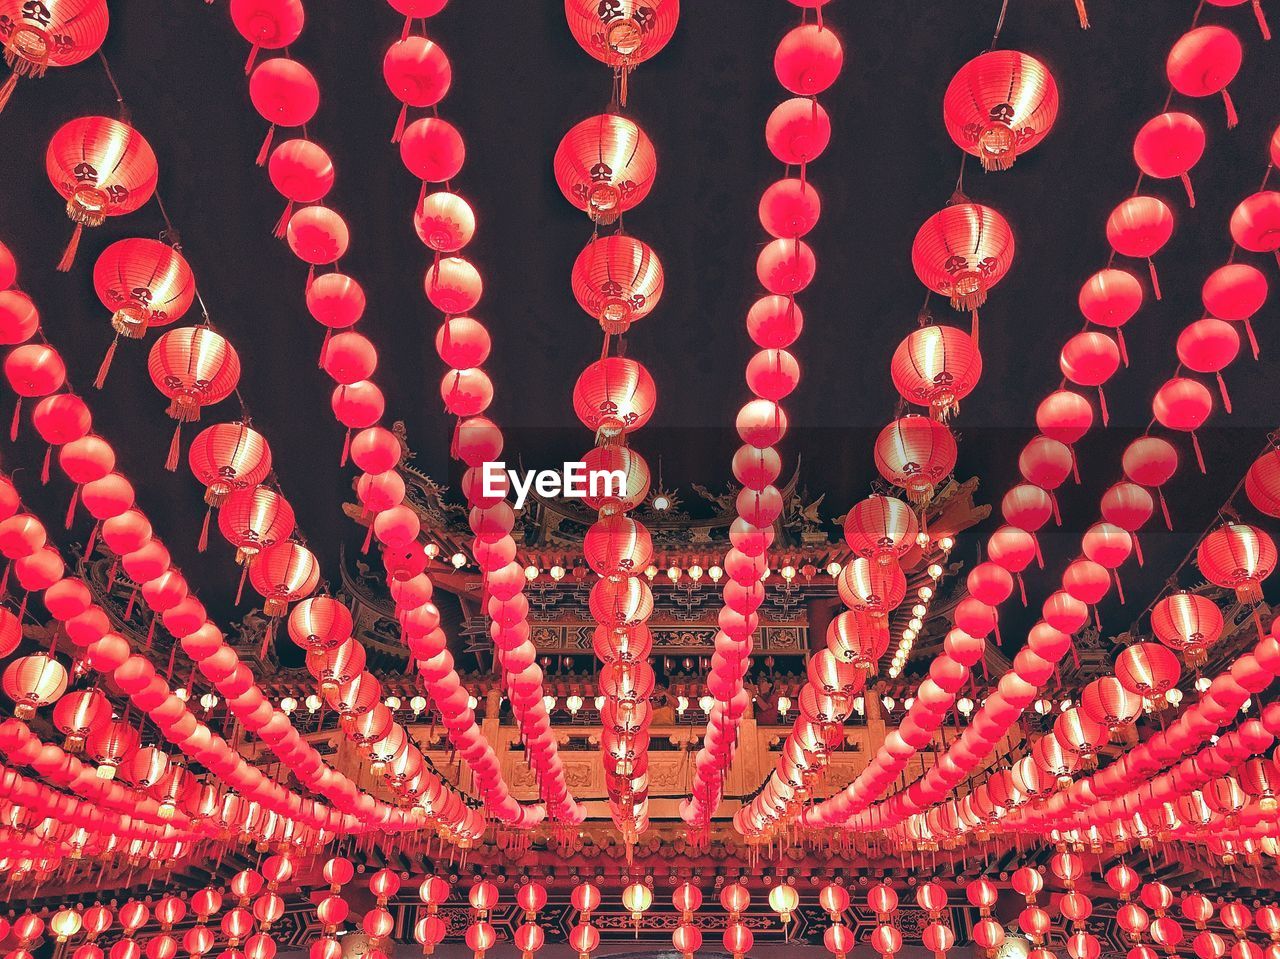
(995, 36)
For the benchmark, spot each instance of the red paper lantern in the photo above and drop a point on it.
(1147, 669)
(1262, 483)
(881, 528)
(617, 279)
(1235, 292)
(33, 681)
(1209, 346)
(1139, 227)
(432, 150)
(267, 24)
(808, 59)
(1188, 623)
(1111, 298)
(284, 93)
(1183, 404)
(614, 396)
(622, 33)
(936, 367)
(915, 453)
(1169, 145)
(418, 74)
(797, 131)
(605, 165)
(962, 252)
(446, 223)
(1000, 105)
(194, 367)
(1255, 223)
(282, 574)
(226, 457)
(738, 940)
(1237, 556)
(317, 235)
(301, 172)
(686, 939)
(53, 33)
(102, 167)
(1203, 62)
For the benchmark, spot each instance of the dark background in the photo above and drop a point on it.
(519, 82)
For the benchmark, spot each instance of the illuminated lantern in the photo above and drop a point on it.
(738, 940)
(1108, 702)
(962, 252)
(936, 367)
(301, 172)
(1079, 733)
(194, 367)
(735, 899)
(1209, 346)
(622, 33)
(78, 714)
(226, 457)
(418, 74)
(33, 681)
(1255, 223)
(1203, 62)
(1028, 883)
(785, 267)
(1236, 292)
(633, 468)
(1133, 919)
(1083, 945)
(839, 940)
(1188, 623)
(529, 939)
(1196, 909)
(32, 370)
(857, 639)
(585, 898)
(284, 93)
(617, 279)
(1170, 145)
(882, 900)
(446, 223)
(915, 453)
(54, 33)
(453, 285)
(988, 935)
(1123, 881)
(617, 545)
(613, 396)
(483, 897)
(797, 131)
(886, 940)
(1147, 669)
(252, 519)
(834, 901)
(480, 937)
(19, 318)
(808, 59)
(282, 574)
(881, 528)
(1139, 227)
(102, 167)
(267, 24)
(872, 588)
(1000, 105)
(434, 891)
(1262, 483)
(1184, 404)
(109, 745)
(1239, 557)
(317, 235)
(938, 938)
(432, 150)
(604, 166)
(144, 283)
(1151, 461)
(1111, 298)
(636, 899)
(783, 899)
(687, 939)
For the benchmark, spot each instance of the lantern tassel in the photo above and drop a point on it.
(1039, 555)
(399, 130)
(6, 91)
(1102, 402)
(1191, 193)
(244, 574)
(93, 539)
(17, 415)
(1124, 349)
(203, 543)
(311, 278)
(1075, 465)
(1137, 549)
(1022, 588)
(1057, 516)
(69, 254)
(282, 224)
(268, 636)
(44, 470)
(1222, 389)
(253, 56)
(1164, 509)
(1195, 445)
(1232, 118)
(266, 146)
(1258, 13)
(346, 448)
(1115, 574)
(100, 380)
(1253, 337)
(1083, 14)
(71, 507)
(175, 449)
(1155, 277)
(368, 540)
(324, 346)
(973, 326)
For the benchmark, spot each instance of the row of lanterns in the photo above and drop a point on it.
(418, 74)
(605, 165)
(807, 61)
